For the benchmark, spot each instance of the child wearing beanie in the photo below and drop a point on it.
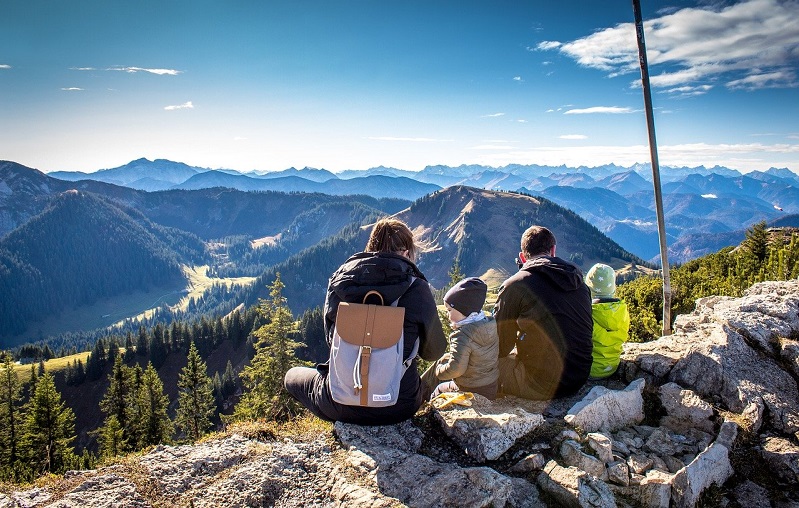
(471, 365)
(611, 320)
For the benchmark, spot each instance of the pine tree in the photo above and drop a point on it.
(229, 380)
(154, 425)
(274, 356)
(115, 405)
(455, 274)
(49, 429)
(111, 437)
(10, 418)
(195, 398)
(756, 241)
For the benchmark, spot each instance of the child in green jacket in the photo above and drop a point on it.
(611, 320)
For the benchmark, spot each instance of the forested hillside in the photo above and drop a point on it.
(480, 229)
(765, 254)
(83, 248)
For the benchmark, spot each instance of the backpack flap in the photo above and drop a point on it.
(369, 325)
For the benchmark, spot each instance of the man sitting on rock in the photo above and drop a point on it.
(544, 310)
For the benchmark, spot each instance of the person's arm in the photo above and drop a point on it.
(506, 312)
(455, 363)
(432, 341)
(330, 311)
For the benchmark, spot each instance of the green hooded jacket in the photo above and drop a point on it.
(611, 330)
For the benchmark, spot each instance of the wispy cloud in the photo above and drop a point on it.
(521, 120)
(72, 89)
(613, 110)
(160, 72)
(748, 45)
(493, 115)
(5, 66)
(573, 136)
(185, 105)
(517, 78)
(82, 69)
(690, 91)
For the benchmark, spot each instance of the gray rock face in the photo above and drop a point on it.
(725, 351)
(729, 356)
(605, 409)
(486, 429)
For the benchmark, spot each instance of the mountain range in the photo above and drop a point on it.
(304, 236)
(617, 200)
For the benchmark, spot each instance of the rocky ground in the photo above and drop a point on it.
(708, 416)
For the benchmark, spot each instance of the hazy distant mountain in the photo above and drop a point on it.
(140, 174)
(312, 174)
(379, 170)
(375, 186)
(626, 183)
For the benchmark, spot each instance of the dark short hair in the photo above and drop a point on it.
(391, 235)
(537, 240)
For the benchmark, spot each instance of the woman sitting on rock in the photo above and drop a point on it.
(386, 266)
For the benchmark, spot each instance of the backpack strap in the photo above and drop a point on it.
(407, 363)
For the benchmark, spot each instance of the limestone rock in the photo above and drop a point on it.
(685, 410)
(604, 409)
(782, 456)
(532, 462)
(573, 455)
(524, 494)
(416, 480)
(104, 491)
(571, 487)
(487, 429)
(712, 466)
(748, 493)
(602, 446)
(722, 351)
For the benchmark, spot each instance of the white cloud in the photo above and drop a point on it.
(521, 120)
(82, 69)
(750, 44)
(517, 78)
(72, 89)
(709, 196)
(160, 72)
(185, 105)
(573, 136)
(777, 79)
(5, 66)
(614, 110)
(550, 110)
(493, 115)
(688, 90)
(546, 45)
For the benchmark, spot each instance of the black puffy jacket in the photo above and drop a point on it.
(392, 276)
(545, 311)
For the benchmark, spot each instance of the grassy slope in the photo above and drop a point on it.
(114, 310)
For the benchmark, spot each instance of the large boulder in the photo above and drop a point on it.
(485, 429)
(726, 351)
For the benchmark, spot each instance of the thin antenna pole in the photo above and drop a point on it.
(653, 152)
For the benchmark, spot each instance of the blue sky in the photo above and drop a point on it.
(266, 85)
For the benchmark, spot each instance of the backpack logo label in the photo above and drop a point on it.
(381, 398)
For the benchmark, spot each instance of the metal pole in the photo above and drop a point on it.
(653, 152)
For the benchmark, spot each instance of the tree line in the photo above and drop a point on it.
(765, 254)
